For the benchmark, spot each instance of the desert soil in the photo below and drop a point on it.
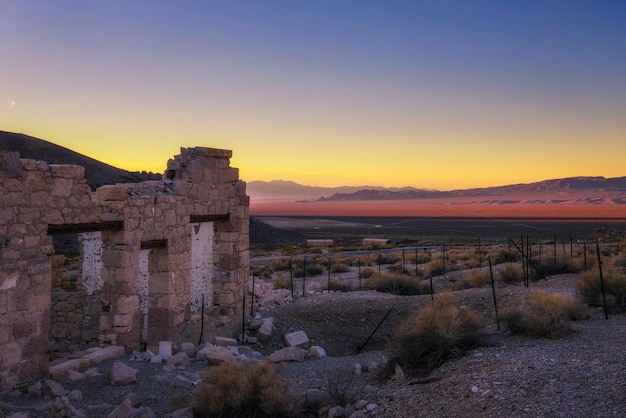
(581, 375)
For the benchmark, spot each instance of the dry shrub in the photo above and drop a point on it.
(397, 267)
(341, 387)
(510, 274)
(589, 288)
(398, 284)
(336, 285)
(423, 257)
(388, 258)
(431, 336)
(475, 278)
(434, 267)
(280, 264)
(549, 316)
(234, 390)
(503, 255)
(281, 282)
(367, 272)
(339, 268)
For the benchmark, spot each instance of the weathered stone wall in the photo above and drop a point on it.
(144, 276)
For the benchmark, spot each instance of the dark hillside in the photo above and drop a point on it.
(97, 173)
(264, 235)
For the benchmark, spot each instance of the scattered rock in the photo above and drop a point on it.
(224, 341)
(123, 410)
(336, 412)
(53, 388)
(266, 329)
(217, 355)
(179, 359)
(316, 397)
(75, 376)
(182, 382)
(165, 349)
(189, 348)
(133, 398)
(75, 395)
(296, 339)
(181, 413)
(398, 373)
(92, 373)
(288, 354)
(316, 352)
(121, 374)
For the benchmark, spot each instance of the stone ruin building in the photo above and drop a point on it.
(161, 260)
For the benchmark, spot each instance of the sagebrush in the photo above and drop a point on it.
(233, 390)
(438, 332)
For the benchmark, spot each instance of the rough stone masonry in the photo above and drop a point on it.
(153, 256)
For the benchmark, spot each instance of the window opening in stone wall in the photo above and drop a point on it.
(75, 293)
(157, 318)
(202, 235)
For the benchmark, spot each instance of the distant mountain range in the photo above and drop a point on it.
(282, 190)
(573, 189)
(97, 173)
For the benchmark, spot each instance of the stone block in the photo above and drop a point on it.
(67, 171)
(288, 354)
(61, 187)
(111, 192)
(128, 304)
(296, 339)
(226, 299)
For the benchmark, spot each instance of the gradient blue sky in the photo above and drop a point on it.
(441, 94)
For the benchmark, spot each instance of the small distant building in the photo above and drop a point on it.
(319, 243)
(375, 242)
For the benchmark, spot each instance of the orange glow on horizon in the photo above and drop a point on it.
(435, 208)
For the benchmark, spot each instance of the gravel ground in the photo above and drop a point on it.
(581, 375)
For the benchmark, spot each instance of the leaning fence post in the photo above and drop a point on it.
(303, 274)
(291, 276)
(432, 293)
(443, 260)
(359, 263)
(493, 290)
(252, 298)
(606, 315)
(329, 274)
(243, 319)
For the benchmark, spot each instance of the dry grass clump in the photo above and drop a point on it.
(504, 255)
(548, 267)
(313, 266)
(367, 272)
(549, 316)
(423, 256)
(589, 288)
(475, 278)
(234, 390)
(398, 284)
(434, 267)
(336, 285)
(510, 274)
(281, 282)
(431, 336)
(339, 268)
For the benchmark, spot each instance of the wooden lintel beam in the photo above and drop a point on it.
(208, 218)
(85, 227)
(153, 243)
